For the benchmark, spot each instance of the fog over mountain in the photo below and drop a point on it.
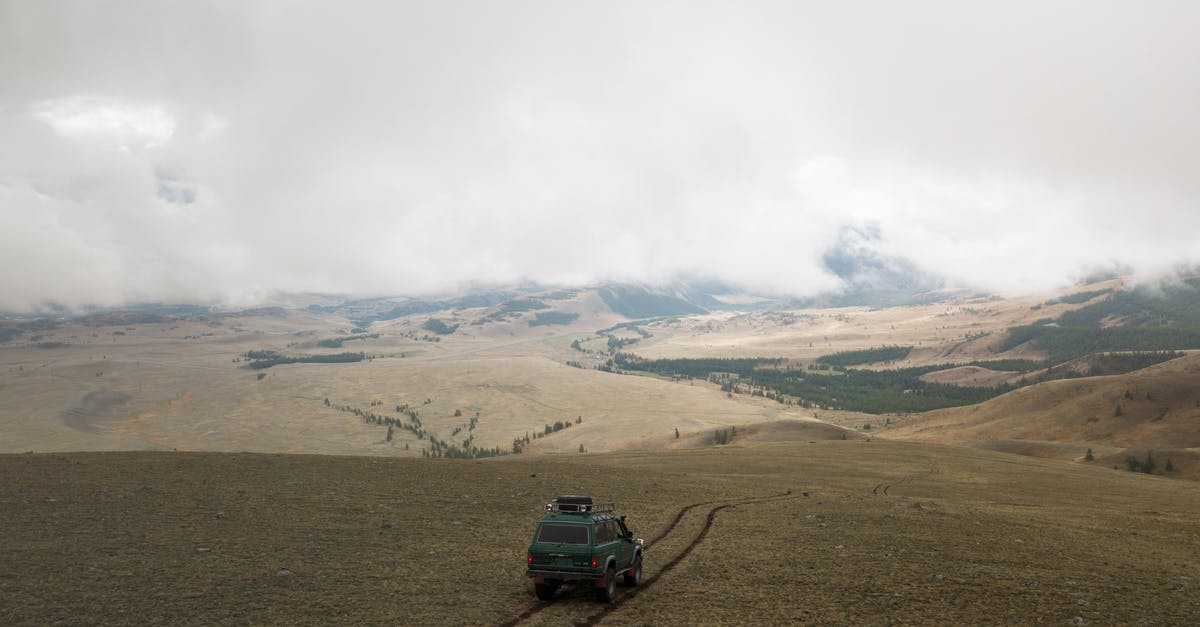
(221, 152)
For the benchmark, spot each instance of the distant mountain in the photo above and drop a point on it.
(363, 312)
(1176, 304)
(872, 279)
(638, 302)
(714, 295)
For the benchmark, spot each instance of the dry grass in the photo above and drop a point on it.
(1155, 408)
(181, 389)
(960, 536)
(889, 532)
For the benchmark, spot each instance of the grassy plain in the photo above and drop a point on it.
(183, 385)
(872, 532)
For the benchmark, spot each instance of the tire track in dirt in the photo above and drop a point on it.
(933, 470)
(630, 593)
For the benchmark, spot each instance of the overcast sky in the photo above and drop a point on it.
(223, 151)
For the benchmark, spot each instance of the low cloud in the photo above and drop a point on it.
(209, 153)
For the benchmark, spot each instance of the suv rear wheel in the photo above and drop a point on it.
(634, 576)
(545, 591)
(609, 592)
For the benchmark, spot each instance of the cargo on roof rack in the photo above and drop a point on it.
(577, 504)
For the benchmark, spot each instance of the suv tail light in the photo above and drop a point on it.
(529, 557)
(594, 563)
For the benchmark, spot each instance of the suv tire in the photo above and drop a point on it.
(609, 592)
(545, 591)
(634, 576)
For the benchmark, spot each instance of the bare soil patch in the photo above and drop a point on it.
(970, 376)
(97, 407)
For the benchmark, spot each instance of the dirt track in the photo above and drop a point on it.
(629, 593)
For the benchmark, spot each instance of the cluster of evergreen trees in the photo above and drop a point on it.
(866, 356)
(869, 391)
(439, 326)
(441, 448)
(413, 424)
(336, 342)
(465, 449)
(519, 442)
(266, 359)
(1148, 465)
(1066, 343)
(633, 302)
(1146, 321)
(543, 318)
(695, 368)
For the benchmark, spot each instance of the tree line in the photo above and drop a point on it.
(265, 359)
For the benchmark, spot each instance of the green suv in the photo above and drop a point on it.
(578, 540)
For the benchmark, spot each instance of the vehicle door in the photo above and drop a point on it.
(628, 545)
(606, 541)
(617, 546)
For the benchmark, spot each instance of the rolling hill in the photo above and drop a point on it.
(1156, 408)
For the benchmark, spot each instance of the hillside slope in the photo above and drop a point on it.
(1156, 408)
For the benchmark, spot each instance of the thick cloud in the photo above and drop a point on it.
(222, 151)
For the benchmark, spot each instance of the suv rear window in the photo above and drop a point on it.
(563, 534)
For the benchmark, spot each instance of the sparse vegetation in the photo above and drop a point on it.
(265, 359)
(638, 303)
(1078, 297)
(1147, 465)
(441, 327)
(279, 535)
(1063, 344)
(523, 304)
(867, 356)
(543, 318)
(336, 342)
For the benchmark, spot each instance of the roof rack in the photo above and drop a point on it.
(577, 505)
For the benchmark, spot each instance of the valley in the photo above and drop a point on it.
(276, 465)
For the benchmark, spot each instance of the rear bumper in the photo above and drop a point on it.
(563, 575)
